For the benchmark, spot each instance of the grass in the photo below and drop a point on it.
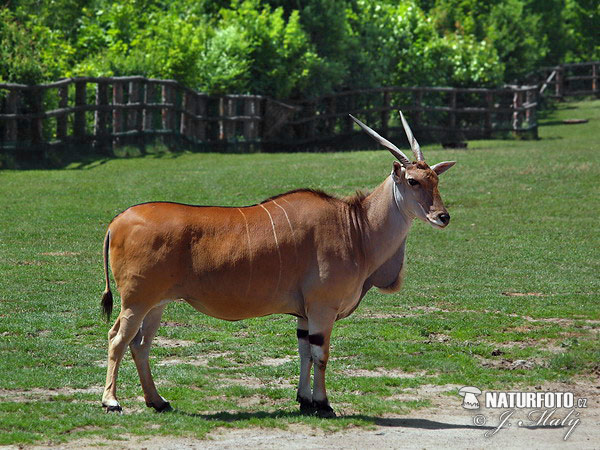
(514, 277)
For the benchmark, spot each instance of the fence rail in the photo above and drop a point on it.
(570, 79)
(109, 112)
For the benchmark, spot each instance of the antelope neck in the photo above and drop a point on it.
(389, 222)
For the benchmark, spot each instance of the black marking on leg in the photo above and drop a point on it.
(316, 339)
(113, 408)
(323, 410)
(321, 364)
(306, 406)
(302, 334)
(165, 407)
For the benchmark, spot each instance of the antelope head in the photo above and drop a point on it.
(415, 183)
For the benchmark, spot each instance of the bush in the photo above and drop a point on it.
(294, 50)
(408, 50)
(19, 52)
(281, 60)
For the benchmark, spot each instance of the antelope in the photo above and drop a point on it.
(303, 253)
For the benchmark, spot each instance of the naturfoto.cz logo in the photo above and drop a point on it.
(530, 400)
(546, 409)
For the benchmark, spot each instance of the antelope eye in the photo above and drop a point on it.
(412, 182)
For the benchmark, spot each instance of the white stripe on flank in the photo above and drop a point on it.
(290, 224)
(277, 244)
(249, 251)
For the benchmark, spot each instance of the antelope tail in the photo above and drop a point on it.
(107, 297)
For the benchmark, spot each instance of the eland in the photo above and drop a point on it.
(303, 253)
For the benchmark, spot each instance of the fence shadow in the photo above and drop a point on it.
(401, 422)
(83, 157)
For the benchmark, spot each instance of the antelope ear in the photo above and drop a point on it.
(398, 172)
(441, 167)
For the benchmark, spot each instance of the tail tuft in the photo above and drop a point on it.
(107, 304)
(107, 298)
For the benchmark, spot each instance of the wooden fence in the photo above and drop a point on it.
(570, 79)
(104, 113)
(435, 113)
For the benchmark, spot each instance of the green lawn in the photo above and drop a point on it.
(514, 277)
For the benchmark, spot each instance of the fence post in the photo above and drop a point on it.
(79, 121)
(37, 121)
(148, 99)
(164, 112)
(221, 122)
(167, 111)
(12, 102)
(226, 109)
(559, 88)
(517, 104)
(251, 125)
(117, 112)
(133, 115)
(200, 119)
(453, 112)
(385, 114)
(188, 122)
(61, 120)
(595, 78)
(528, 101)
(489, 100)
(231, 111)
(533, 114)
(191, 112)
(183, 122)
(101, 115)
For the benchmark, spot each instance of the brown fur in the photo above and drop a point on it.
(149, 234)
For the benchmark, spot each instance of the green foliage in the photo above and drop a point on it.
(295, 49)
(515, 34)
(248, 48)
(165, 46)
(583, 24)
(408, 50)
(525, 33)
(283, 60)
(508, 25)
(19, 51)
(551, 29)
(61, 15)
(223, 64)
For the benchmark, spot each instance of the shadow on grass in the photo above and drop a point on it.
(546, 123)
(403, 422)
(93, 162)
(73, 157)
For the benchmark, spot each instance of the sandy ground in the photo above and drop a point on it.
(448, 425)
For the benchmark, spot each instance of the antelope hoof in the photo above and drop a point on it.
(112, 407)
(164, 407)
(323, 410)
(306, 406)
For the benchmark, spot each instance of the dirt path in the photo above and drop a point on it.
(427, 429)
(448, 425)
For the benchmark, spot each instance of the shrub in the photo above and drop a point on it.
(19, 52)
